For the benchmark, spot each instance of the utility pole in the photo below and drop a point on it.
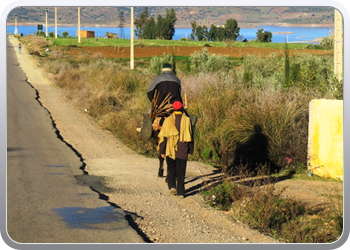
(55, 22)
(46, 10)
(338, 44)
(16, 31)
(132, 39)
(78, 24)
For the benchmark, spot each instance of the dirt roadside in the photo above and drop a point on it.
(129, 180)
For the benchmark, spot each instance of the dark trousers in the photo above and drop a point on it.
(176, 172)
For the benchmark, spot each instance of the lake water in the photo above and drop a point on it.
(299, 34)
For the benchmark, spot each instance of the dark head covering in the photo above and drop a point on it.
(166, 66)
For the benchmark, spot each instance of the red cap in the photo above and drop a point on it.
(177, 105)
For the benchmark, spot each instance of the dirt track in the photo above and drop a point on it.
(124, 52)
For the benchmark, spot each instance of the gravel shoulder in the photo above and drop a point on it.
(128, 180)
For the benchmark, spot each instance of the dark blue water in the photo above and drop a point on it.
(300, 34)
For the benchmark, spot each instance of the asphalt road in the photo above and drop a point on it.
(46, 203)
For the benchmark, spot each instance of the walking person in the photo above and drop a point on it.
(20, 47)
(175, 143)
(163, 91)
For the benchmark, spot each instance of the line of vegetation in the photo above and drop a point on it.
(104, 42)
(252, 115)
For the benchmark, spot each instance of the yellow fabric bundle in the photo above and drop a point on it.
(173, 135)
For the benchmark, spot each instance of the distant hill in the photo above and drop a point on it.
(245, 16)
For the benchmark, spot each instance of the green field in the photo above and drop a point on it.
(158, 43)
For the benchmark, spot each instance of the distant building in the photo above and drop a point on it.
(86, 34)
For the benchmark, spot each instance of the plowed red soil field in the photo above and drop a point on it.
(124, 52)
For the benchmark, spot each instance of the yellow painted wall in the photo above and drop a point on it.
(325, 148)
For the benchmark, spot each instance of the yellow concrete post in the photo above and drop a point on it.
(338, 44)
(325, 145)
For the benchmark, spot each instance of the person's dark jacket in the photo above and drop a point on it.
(165, 83)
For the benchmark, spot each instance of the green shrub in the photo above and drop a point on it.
(221, 196)
(40, 33)
(268, 71)
(206, 62)
(158, 61)
(328, 42)
(65, 34)
(313, 72)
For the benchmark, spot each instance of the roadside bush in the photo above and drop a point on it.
(40, 33)
(268, 129)
(158, 61)
(221, 195)
(253, 199)
(263, 207)
(56, 66)
(263, 71)
(206, 62)
(184, 39)
(65, 34)
(328, 42)
(315, 72)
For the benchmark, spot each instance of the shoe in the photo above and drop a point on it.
(181, 196)
(160, 173)
(172, 191)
